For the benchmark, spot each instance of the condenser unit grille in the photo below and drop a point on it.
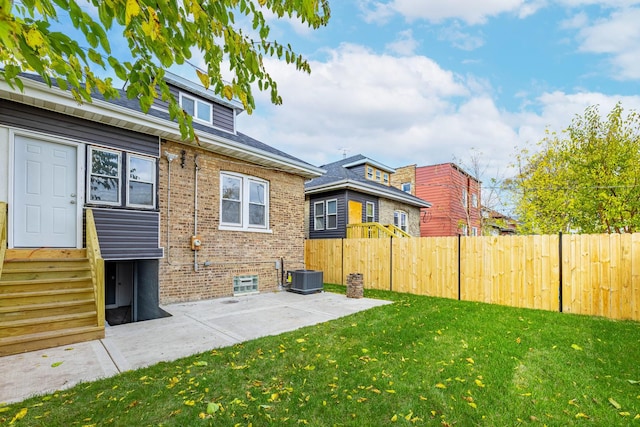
(245, 284)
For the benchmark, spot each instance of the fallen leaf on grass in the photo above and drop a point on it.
(580, 415)
(614, 403)
(440, 385)
(56, 364)
(633, 382)
(576, 347)
(20, 415)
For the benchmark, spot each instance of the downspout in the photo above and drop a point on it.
(195, 211)
(170, 157)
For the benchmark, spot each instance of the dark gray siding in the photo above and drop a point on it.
(37, 119)
(339, 232)
(359, 170)
(364, 198)
(127, 234)
(223, 116)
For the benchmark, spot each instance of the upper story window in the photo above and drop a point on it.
(332, 214)
(369, 172)
(378, 173)
(371, 212)
(243, 202)
(474, 200)
(474, 231)
(406, 187)
(200, 110)
(400, 220)
(465, 197)
(106, 178)
(385, 178)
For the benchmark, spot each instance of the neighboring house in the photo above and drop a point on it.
(175, 220)
(495, 223)
(454, 195)
(356, 191)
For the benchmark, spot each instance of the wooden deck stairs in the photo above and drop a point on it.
(47, 299)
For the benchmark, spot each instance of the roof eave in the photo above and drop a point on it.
(348, 184)
(40, 95)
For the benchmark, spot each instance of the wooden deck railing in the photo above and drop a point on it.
(97, 265)
(373, 230)
(3, 233)
(397, 232)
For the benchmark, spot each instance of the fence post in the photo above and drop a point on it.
(459, 268)
(560, 272)
(342, 260)
(391, 263)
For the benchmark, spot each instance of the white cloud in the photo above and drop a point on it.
(618, 36)
(459, 38)
(404, 45)
(471, 12)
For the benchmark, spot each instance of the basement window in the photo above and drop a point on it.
(245, 284)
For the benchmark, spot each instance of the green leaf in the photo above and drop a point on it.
(576, 347)
(56, 364)
(212, 408)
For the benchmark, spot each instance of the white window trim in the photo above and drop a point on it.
(153, 182)
(401, 214)
(403, 185)
(465, 198)
(373, 212)
(90, 172)
(474, 200)
(244, 200)
(195, 108)
(316, 216)
(327, 214)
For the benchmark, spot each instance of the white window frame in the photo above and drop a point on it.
(385, 178)
(90, 173)
(464, 229)
(373, 212)
(196, 108)
(245, 183)
(465, 197)
(406, 187)
(321, 216)
(378, 175)
(335, 214)
(152, 182)
(369, 172)
(474, 200)
(474, 231)
(400, 217)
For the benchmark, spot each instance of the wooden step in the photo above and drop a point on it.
(48, 339)
(11, 328)
(44, 253)
(26, 285)
(45, 296)
(15, 312)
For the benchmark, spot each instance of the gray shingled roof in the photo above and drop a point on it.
(339, 177)
(133, 104)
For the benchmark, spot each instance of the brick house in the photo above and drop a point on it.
(175, 220)
(453, 193)
(355, 198)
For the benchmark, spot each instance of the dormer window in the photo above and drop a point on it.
(198, 109)
(369, 172)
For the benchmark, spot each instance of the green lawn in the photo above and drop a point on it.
(419, 361)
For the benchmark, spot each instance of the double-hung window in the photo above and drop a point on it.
(105, 176)
(244, 202)
(142, 182)
(400, 220)
(325, 215)
(406, 187)
(200, 110)
(108, 176)
(371, 212)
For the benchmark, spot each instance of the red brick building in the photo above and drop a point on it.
(455, 200)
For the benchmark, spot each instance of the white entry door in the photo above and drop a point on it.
(45, 209)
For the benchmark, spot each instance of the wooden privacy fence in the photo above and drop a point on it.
(586, 274)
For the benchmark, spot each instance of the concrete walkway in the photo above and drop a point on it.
(193, 328)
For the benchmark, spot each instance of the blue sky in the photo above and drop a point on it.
(425, 82)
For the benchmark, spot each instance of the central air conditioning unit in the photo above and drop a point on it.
(304, 281)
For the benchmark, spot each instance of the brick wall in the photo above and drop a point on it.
(405, 174)
(388, 207)
(227, 253)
